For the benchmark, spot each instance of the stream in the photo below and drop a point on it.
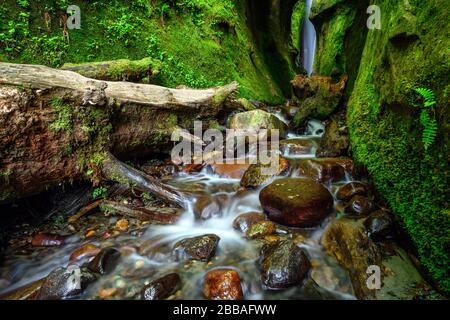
(147, 254)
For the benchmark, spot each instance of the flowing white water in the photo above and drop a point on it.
(234, 251)
(309, 39)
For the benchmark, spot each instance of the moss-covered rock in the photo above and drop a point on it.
(411, 50)
(318, 97)
(258, 120)
(341, 31)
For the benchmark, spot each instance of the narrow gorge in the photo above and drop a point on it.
(92, 189)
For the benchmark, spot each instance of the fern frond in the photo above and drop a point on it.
(427, 95)
(430, 129)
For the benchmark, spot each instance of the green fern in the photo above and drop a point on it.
(429, 124)
(430, 129)
(427, 95)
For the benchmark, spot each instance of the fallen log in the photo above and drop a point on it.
(116, 170)
(58, 126)
(154, 215)
(118, 70)
(96, 91)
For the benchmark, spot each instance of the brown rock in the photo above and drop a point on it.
(261, 229)
(105, 261)
(360, 206)
(84, 252)
(296, 202)
(254, 177)
(222, 284)
(326, 169)
(297, 147)
(346, 192)
(245, 220)
(208, 206)
(233, 171)
(107, 293)
(162, 288)
(283, 265)
(47, 240)
(336, 140)
(189, 168)
(347, 240)
(379, 225)
(200, 248)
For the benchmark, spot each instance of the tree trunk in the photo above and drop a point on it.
(58, 126)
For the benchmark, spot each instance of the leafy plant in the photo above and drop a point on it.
(427, 119)
(99, 192)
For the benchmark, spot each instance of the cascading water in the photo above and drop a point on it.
(308, 40)
(154, 256)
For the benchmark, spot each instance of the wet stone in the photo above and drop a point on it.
(47, 240)
(222, 284)
(346, 192)
(283, 265)
(245, 220)
(162, 288)
(84, 252)
(379, 225)
(258, 120)
(261, 229)
(326, 169)
(255, 176)
(297, 147)
(63, 283)
(105, 261)
(208, 206)
(296, 202)
(200, 248)
(232, 171)
(360, 206)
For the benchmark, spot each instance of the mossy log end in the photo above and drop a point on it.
(58, 126)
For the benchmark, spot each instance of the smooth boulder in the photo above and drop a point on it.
(296, 202)
(257, 120)
(326, 169)
(64, 283)
(105, 261)
(222, 284)
(162, 288)
(200, 248)
(283, 265)
(256, 176)
(245, 220)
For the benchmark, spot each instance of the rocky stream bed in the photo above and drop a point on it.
(311, 231)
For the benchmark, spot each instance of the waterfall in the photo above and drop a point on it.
(308, 40)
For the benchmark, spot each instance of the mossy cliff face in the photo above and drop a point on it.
(341, 32)
(200, 43)
(411, 50)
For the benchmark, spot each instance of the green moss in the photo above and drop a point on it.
(117, 70)
(330, 57)
(200, 43)
(64, 116)
(298, 16)
(385, 131)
